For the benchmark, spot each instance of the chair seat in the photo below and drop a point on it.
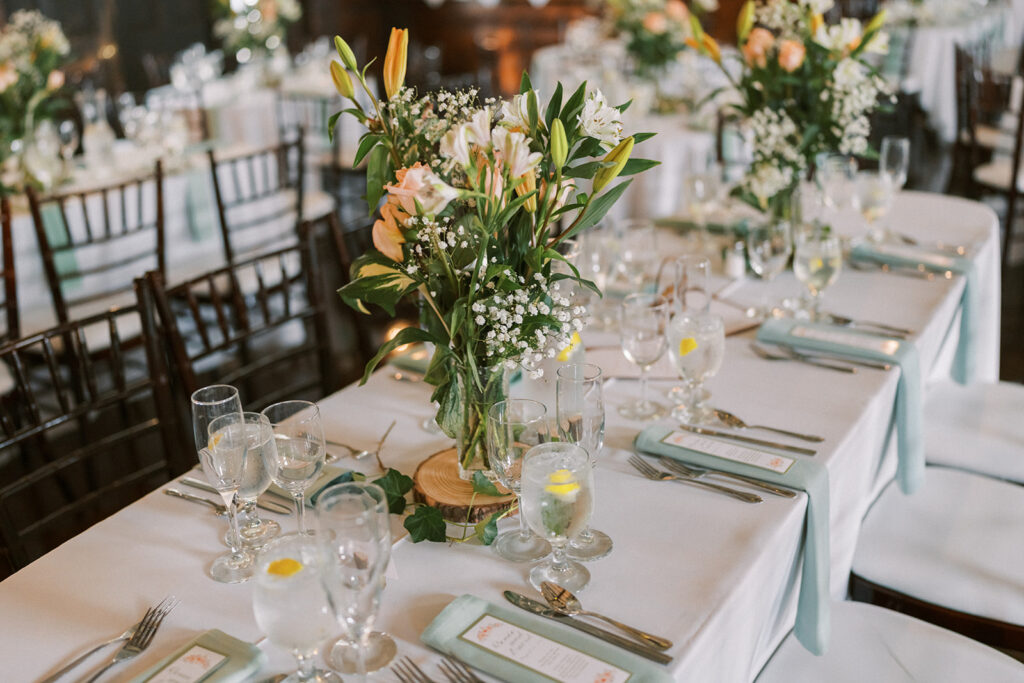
(871, 643)
(977, 428)
(997, 174)
(993, 137)
(955, 543)
(316, 204)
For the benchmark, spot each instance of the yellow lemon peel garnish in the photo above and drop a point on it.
(560, 477)
(687, 345)
(215, 439)
(562, 490)
(817, 264)
(284, 567)
(563, 356)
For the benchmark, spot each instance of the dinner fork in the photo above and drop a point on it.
(456, 671)
(408, 671)
(699, 472)
(142, 637)
(655, 474)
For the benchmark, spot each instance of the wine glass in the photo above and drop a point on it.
(696, 345)
(67, 131)
(579, 406)
(817, 263)
(700, 192)
(290, 603)
(642, 320)
(558, 499)
(597, 264)
(769, 246)
(208, 404)
(894, 159)
(231, 444)
(637, 254)
(835, 175)
(355, 534)
(690, 291)
(513, 427)
(874, 198)
(255, 481)
(300, 452)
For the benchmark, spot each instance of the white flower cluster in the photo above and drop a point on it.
(777, 159)
(439, 234)
(781, 17)
(510, 148)
(817, 6)
(25, 30)
(261, 21)
(514, 325)
(600, 121)
(855, 93)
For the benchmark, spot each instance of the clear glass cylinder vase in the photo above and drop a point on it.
(479, 389)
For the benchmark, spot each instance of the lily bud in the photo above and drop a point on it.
(348, 58)
(617, 158)
(528, 184)
(395, 60)
(696, 29)
(710, 47)
(559, 144)
(817, 21)
(876, 21)
(342, 83)
(745, 21)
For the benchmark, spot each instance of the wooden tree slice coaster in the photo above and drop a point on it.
(437, 484)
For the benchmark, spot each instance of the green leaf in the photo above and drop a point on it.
(573, 107)
(553, 106)
(395, 485)
(586, 170)
(449, 407)
(483, 485)
(426, 524)
(634, 166)
(640, 137)
(365, 145)
(378, 173)
(407, 335)
(487, 530)
(331, 122)
(624, 106)
(524, 84)
(597, 209)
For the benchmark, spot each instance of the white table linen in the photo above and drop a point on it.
(716, 576)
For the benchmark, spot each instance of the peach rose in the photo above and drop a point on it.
(755, 50)
(55, 80)
(655, 22)
(419, 185)
(791, 55)
(8, 76)
(387, 232)
(677, 10)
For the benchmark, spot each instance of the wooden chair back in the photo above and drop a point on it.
(259, 198)
(262, 327)
(95, 242)
(10, 289)
(310, 113)
(82, 434)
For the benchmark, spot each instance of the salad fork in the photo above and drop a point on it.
(699, 472)
(407, 671)
(655, 474)
(456, 671)
(142, 637)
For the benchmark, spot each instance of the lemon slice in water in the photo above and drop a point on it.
(284, 567)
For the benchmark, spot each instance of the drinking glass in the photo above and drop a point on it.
(894, 159)
(67, 131)
(597, 264)
(234, 438)
(690, 291)
(579, 406)
(835, 175)
(637, 254)
(208, 404)
(769, 246)
(817, 263)
(255, 481)
(355, 534)
(696, 345)
(558, 499)
(513, 427)
(700, 192)
(290, 603)
(300, 452)
(875, 191)
(642, 320)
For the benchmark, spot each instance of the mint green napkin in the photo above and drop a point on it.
(414, 359)
(242, 663)
(328, 477)
(909, 393)
(812, 613)
(444, 632)
(964, 362)
(56, 230)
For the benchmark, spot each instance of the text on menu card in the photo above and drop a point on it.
(851, 339)
(728, 451)
(193, 665)
(539, 654)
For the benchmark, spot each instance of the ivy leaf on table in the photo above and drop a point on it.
(484, 486)
(487, 530)
(426, 524)
(395, 485)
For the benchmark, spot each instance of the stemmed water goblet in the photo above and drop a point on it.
(355, 535)
(579, 401)
(290, 603)
(642, 319)
(301, 450)
(256, 479)
(637, 255)
(835, 176)
(513, 427)
(689, 291)
(67, 132)
(558, 499)
(875, 191)
(696, 345)
(234, 438)
(700, 194)
(769, 245)
(817, 263)
(894, 160)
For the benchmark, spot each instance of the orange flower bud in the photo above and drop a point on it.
(395, 61)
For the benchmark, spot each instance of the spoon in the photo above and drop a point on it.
(564, 602)
(770, 355)
(730, 420)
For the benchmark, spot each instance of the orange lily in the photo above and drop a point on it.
(395, 60)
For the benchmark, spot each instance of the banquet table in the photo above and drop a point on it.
(716, 576)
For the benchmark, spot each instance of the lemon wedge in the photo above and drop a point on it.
(563, 484)
(284, 567)
(560, 476)
(215, 439)
(687, 345)
(574, 342)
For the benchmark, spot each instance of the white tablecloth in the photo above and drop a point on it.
(716, 576)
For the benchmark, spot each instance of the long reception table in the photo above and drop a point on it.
(716, 576)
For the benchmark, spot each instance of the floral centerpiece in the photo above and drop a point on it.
(32, 50)
(805, 87)
(654, 31)
(478, 197)
(254, 25)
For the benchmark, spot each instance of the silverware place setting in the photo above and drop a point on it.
(734, 422)
(869, 326)
(565, 602)
(654, 474)
(360, 453)
(919, 271)
(217, 508)
(265, 501)
(821, 359)
(454, 671)
(705, 431)
(687, 470)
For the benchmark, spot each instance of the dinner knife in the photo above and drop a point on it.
(703, 431)
(269, 505)
(539, 608)
(816, 354)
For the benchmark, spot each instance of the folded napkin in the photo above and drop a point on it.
(468, 627)
(812, 614)
(909, 394)
(240, 661)
(328, 477)
(964, 362)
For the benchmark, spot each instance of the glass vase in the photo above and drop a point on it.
(479, 389)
